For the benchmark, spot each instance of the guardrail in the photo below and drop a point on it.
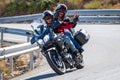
(85, 16)
(100, 16)
(16, 50)
(20, 18)
(14, 31)
(95, 12)
(10, 52)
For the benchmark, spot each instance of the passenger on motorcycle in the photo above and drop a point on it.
(59, 20)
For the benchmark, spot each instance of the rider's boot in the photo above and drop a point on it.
(75, 54)
(80, 50)
(78, 57)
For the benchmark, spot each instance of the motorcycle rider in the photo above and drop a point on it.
(42, 30)
(59, 19)
(44, 27)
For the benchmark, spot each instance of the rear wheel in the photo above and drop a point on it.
(56, 63)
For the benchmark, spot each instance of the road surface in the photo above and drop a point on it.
(101, 58)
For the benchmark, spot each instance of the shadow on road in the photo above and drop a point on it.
(44, 76)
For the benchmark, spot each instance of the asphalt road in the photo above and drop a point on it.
(101, 58)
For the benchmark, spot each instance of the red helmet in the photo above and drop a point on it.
(61, 7)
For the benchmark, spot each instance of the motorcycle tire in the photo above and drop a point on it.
(55, 63)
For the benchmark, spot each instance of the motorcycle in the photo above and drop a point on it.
(57, 53)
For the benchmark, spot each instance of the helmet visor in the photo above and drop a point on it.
(47, 17)
(63, 9)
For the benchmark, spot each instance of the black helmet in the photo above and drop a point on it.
(47, 13)
(61, 7)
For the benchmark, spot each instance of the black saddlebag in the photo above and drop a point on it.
(81, 37)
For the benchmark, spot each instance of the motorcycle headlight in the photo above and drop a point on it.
(46, 38)
(41, 43)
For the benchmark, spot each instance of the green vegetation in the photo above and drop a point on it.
(102, 4)
(95, 4)
(22, 7)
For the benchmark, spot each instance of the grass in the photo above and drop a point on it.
(93, 5)
(3, 65)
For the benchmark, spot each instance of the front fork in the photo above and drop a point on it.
(54, 49)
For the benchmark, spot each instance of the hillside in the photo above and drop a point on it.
(22, 7)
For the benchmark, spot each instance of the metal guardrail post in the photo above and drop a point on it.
(28, 38)
(1, 75)
(1, 41)
(31, 61)
(11, 64)
(38, 53)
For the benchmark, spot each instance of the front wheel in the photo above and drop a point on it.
(55, 61)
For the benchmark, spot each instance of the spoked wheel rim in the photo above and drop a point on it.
(58, 61)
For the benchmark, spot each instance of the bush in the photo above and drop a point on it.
(117, 6)
(93, 5)
(21, 7)
(45, 4)
(11, 8)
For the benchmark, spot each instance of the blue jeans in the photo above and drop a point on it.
(68, 33)
(69, 43)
